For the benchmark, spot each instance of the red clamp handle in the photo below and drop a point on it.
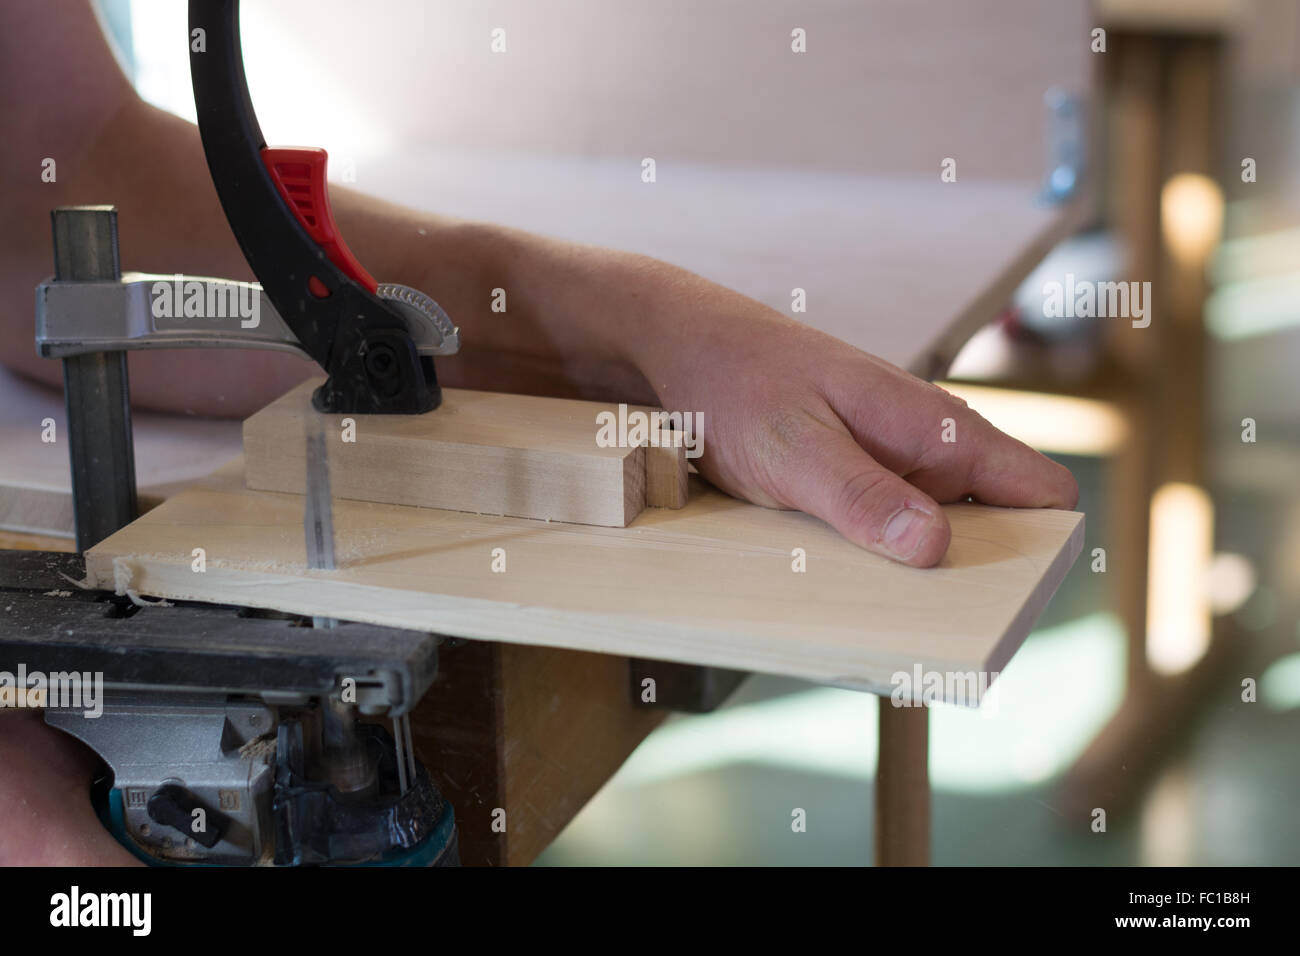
(299, 174)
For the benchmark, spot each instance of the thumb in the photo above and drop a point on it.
(867, 503)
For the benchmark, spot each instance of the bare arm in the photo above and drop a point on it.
(110, 147)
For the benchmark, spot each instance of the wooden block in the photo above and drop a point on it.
(481, 452)
(709, 584)
(667, 482)
(667, 470)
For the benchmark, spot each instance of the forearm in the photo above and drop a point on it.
(571, 312)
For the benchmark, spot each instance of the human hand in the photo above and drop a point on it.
(794, 418)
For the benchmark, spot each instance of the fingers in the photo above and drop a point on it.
(951, 452)
(1004, 471)
(1009, 473)
(834, 479)
(990, 466)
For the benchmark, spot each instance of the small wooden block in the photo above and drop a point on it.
(480, 452)
(667, 482)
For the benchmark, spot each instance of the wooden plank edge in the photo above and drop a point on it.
(480, 619)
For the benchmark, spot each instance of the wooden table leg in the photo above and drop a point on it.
(1164, 90)
(903, 786)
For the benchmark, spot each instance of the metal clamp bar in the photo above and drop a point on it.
(95, 386)
(146, 311)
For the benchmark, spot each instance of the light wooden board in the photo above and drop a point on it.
(35, 481)
(22, 541)
(708, 584)
(481, 452)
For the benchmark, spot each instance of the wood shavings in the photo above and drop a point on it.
(123, 572)
(84, 584)
(259, 748)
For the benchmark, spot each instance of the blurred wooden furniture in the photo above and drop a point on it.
(1161, 116)
(1164, 83)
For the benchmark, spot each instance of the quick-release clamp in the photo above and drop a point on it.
(363, 334)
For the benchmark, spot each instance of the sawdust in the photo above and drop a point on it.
(84, 584)
(232, 564)
(259, 748)
(139, 601)
(58, 594)
(268, 564)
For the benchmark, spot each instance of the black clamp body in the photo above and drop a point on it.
(362, 342)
